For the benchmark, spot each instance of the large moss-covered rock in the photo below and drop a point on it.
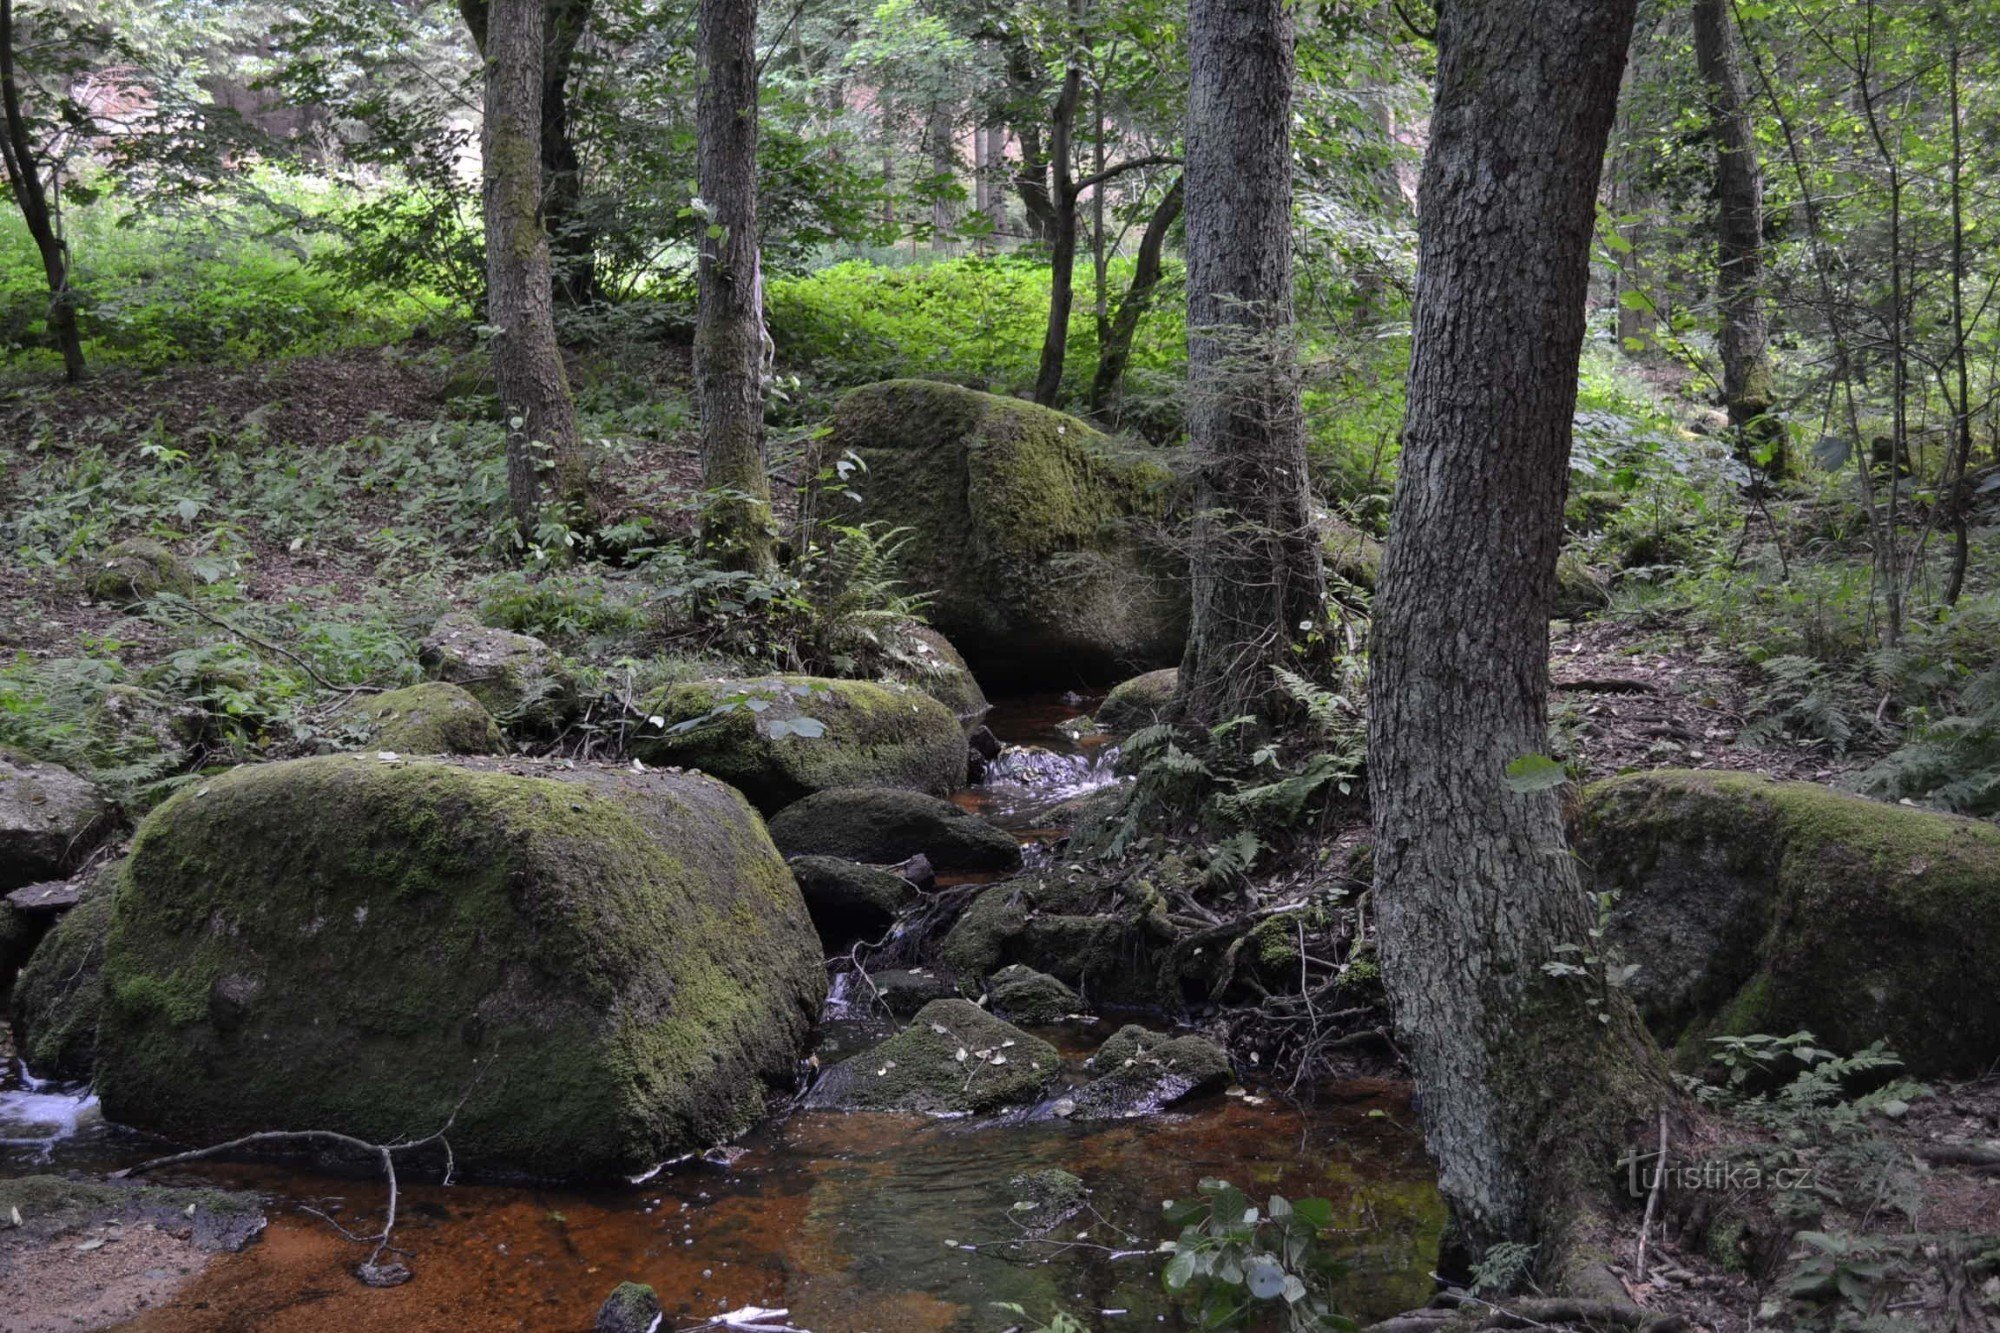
(1139, 702)
(1023, 995)
(432, 718)
(910, 652)
(60, 994)
(1033, 533)
(521, 680)
(779, 739)
(342, 942)
(1580, 587)
(1758, 906)
(133, 572)
(886, 826)
(955, 1058)
(50, 819)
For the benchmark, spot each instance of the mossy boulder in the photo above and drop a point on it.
(431, 718)
(779, 739)
(632, 1307)
(1140, 1072)
(905, 990)
(621, 957)
(50, 820)
(1044, 1198)
(1580, 587)
(849, 901)
(885, 826)
(953, 1059)
(1072, 926)
(1139, 702)
(1350, 553)
(1036, 534)
(60, 994)
(1758, 906)
(521, 680)
(1023, 995)
(133, 572)
(909, 652)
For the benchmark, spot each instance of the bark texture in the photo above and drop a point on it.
(1061, 235)
(729, 341)
(546, 459)
(1739, 259)
(24, 175)
(1255, 565)
(1116, 350)
(1530, 1072)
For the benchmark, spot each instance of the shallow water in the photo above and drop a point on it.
(849, 1222)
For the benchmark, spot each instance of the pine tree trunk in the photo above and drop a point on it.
(545, 456)
(1256, 564)
(1116, 351)
(24, 175)
(729, 343)
(1530, 1076)
(1739, 259)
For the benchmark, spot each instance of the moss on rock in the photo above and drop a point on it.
(849, 901)
(632, 1307)
(1140, 1071)
(50, 1206)
(1139, 702)
(909, 652)
(1759, 906)
(886, 826)
(1580, 588)
(1074, 927)
(1034, 530)
(1023, 995)
(955, 1058)
(133, 572)
(50, 820)
(60, 994)
(521, 681)
(431, 718)
(747, 733)
(1350, 553)
(342, 942)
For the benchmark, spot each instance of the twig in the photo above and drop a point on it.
(1652, 1201)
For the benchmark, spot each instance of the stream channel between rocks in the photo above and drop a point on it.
(848, 1221)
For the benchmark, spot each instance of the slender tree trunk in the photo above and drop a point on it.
(545, 456)
(1031, 182)
(943, 153)
(572, 241)
(1256, 566)
(1739, 259)
(729, 342)
(996, 158)
(1116, 351)
(1062, 244)
(1532, 1068)
(24, 174)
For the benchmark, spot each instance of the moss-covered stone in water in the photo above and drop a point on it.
(887, 826)
(1138, 702)
(632, 1307)
(1140, 1071)
(1760, 906)
(1073, 927)
(342, 942)
(1034, 531)
(133, 572)
(431, 718)
(1044, 1198)
(1023, 995)
(875, 735)
(849, 901)
(922, 1068)
(60, 994)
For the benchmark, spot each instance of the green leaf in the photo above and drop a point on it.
(1179, 1271)
(1535, 772)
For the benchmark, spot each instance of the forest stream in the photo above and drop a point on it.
(845, 1221)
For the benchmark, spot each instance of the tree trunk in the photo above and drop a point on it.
(1116, 351)
(1739, 260)
(24, 174)
(1024, 112)
(729, 340)
(572, 241)
(544, 452)
(1256, 567)
(1062, 244)
(943, 154)
(1531, 1066)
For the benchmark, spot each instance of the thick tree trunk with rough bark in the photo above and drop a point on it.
(546, 459)
(24, 175)
(729, 343)
(1116, 350)
(1258, 579)
(1739, 258)
(1531, 1066)
(572, 241)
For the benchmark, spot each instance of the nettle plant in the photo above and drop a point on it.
(1239, 1265)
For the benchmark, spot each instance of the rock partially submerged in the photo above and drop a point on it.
(50, 820)
(1138, 702)
(1140, 1072)
(849, 901)
(632, 1307)
(779, 739)
(955, 1058)
(1023, 995)
(1042, 1199)
(1757, 906)
(882, 825)
(432, 718)
(606, 967)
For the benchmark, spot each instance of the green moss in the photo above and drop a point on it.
(521, 681)
(1138, 702)
(875, 735)
(1031, 528)
(341, 942)
(632, 1307)
(920, 1069)
(907, 652)
(886, 826)
(1350, 553)
(1023, 995)
(60, 995)
(52, 1206)
(431, 718)
(136, 570)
